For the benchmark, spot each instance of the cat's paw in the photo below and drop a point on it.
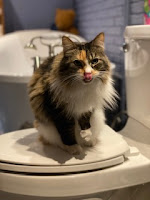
(88, 139)
(74, 149)
(86, 134)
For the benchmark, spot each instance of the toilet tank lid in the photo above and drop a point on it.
(137, 32)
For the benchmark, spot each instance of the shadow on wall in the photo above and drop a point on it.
(10, 13)
(33, 14)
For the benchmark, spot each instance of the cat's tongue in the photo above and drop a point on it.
(87, 76)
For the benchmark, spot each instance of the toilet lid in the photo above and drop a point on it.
(21, 151)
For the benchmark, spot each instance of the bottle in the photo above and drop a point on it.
(147, 12)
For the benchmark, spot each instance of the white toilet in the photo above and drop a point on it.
(120, 160)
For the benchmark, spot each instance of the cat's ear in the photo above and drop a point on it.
(99, 40)
(67, 44)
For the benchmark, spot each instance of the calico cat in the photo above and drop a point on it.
(68, 94)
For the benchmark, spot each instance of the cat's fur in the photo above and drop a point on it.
(68, 94)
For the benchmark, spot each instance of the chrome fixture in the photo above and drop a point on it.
(36, 61)
(31, 45)
(51, 47)
(125, 47)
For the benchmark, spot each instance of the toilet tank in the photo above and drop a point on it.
(137, 72)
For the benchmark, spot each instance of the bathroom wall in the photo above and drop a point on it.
(136, 10)
(110, 16)
(31, 14)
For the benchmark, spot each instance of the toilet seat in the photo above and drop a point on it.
(83, 181)
(20, 151)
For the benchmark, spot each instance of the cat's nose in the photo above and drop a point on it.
(88, 76)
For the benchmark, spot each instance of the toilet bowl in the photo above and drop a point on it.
(27, 167)
(43, 170)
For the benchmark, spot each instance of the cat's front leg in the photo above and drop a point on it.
(87, 136)
(66, 129)
(86, 133)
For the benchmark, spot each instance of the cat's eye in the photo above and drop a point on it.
(78, 63)
(94, 61)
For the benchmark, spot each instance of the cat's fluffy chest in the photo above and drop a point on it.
(68, 94)
(81, 99)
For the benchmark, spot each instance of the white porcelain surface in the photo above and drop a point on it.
(137, 68)
(140, 192)
(137, 135)
(16, 61)
(120, 176)
(23, 147)
(135, 170)
(12, 56)
(137, 32)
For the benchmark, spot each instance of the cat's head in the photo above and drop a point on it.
(84, 62)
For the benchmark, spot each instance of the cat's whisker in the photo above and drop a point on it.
(75, 80)
(64, 80)
(70, 80)
(102, 74)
